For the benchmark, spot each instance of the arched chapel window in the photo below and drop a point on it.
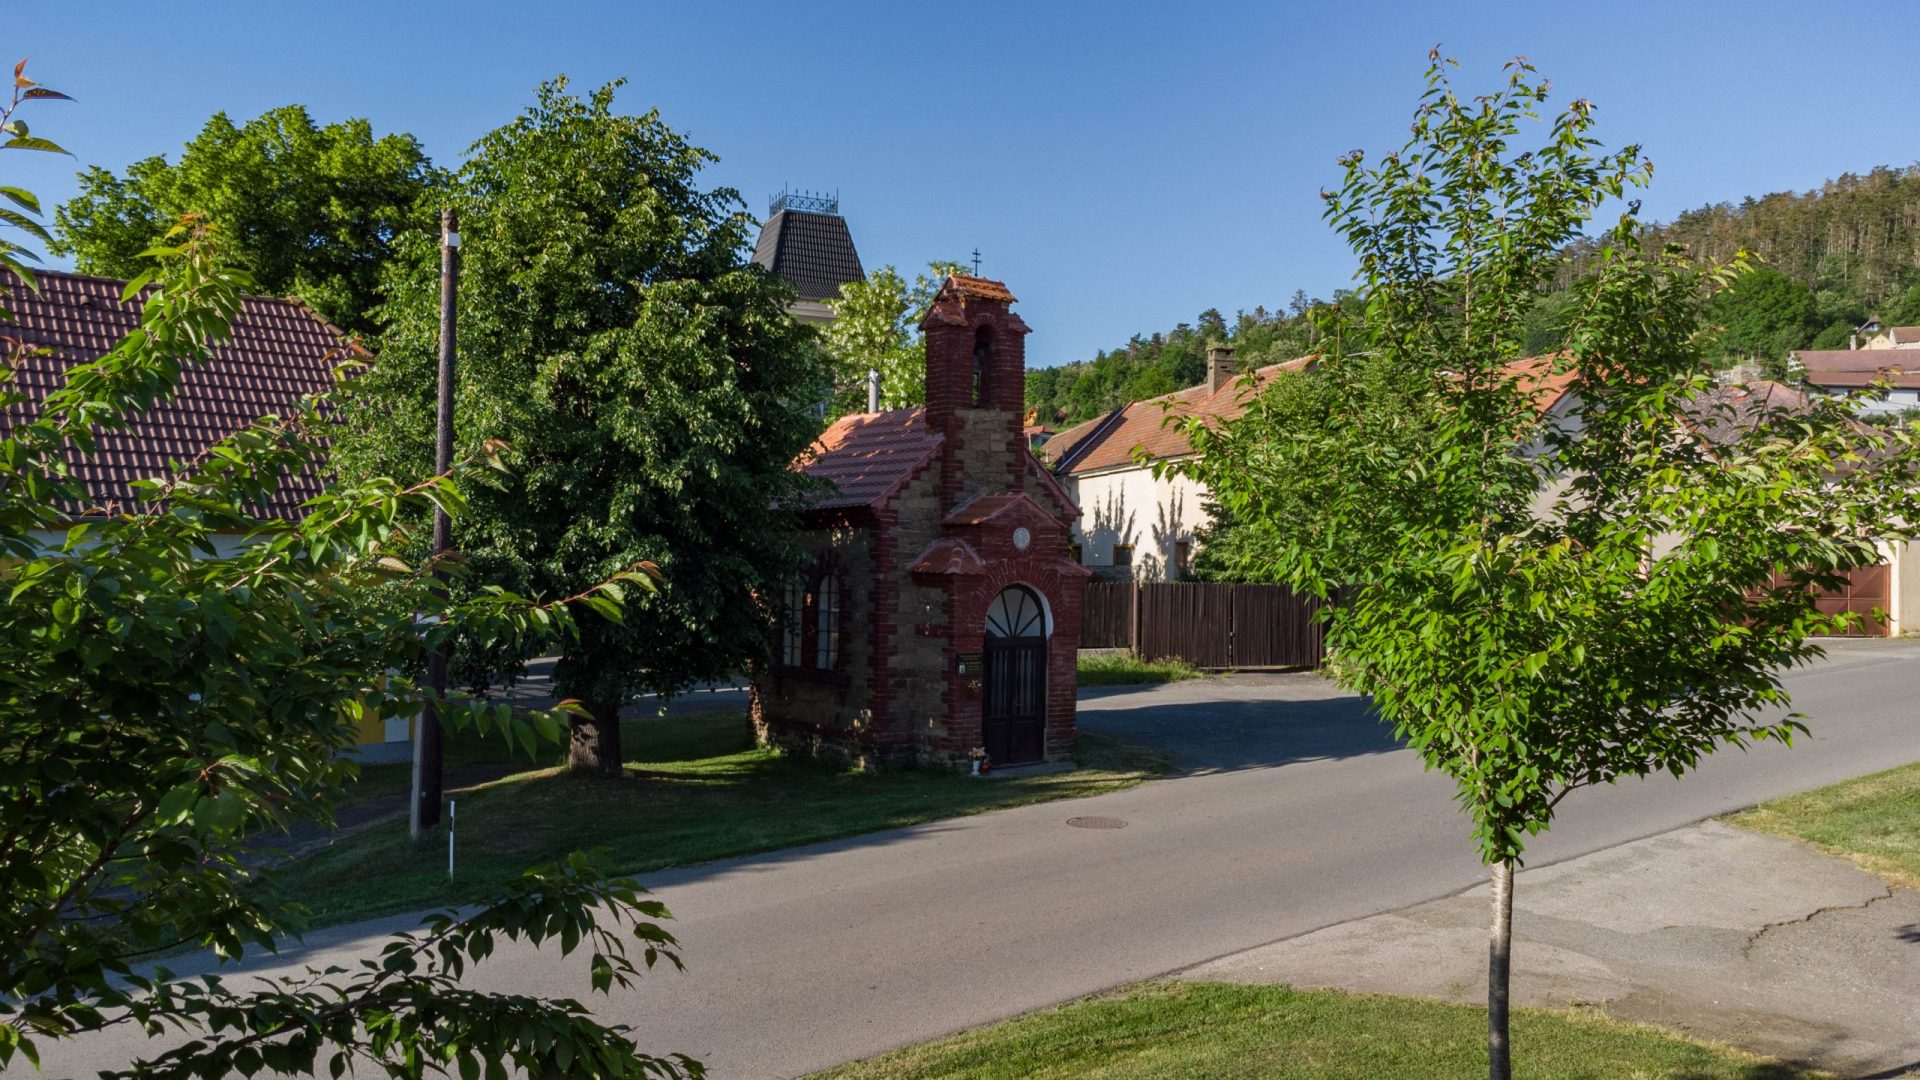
(826, 619)
(810, 623)
(1016, 613)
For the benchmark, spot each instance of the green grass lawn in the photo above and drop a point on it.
(696, 788)
(1120, 669)
(1874, 821)
(1217, 1030)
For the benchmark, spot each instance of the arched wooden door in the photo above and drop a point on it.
(1013, 716)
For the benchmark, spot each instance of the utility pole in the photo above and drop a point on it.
(427, 751)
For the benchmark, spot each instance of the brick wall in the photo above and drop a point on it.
(899, 695)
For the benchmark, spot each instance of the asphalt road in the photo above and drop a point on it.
(1298, 813)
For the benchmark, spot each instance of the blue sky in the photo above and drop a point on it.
(1122, 167)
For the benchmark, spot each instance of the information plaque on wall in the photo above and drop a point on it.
(969, 663)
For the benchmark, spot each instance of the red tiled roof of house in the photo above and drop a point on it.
(1110, 441)
(1905, 335)
(1858, 367)
(279, 352)
(868, 456)
(1548, 386)
(1151, 425)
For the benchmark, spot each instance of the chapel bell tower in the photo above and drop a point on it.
(976, 352)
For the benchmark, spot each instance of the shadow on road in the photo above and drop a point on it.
(1242, 726)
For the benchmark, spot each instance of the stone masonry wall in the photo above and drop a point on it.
(914, 690)
(797, 706)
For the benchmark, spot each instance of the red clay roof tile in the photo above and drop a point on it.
(1151, 425)
(868, 456)
(984, 288)
(950, 555)
(1858, 367)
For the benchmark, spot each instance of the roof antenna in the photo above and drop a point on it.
(976, 262)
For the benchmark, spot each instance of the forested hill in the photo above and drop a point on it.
(1830, 259)
(1857, 237)
(1148, 366)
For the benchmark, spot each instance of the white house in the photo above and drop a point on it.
(1134, 525)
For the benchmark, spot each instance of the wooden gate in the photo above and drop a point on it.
(1107, 617)
(1193, 621)
(1207, 624)
(1868, 589)
(1274, 628)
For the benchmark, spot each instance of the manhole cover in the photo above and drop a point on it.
(1096, 823)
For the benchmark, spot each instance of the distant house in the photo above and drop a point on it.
(1893, 337)
(279, 352)
(1035, 432)
(1889, 588)
(1891, 356)
(806, 241)
(1134, 525)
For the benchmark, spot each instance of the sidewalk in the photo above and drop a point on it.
(1725, 935)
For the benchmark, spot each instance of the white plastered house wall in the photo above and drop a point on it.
(1129, 505)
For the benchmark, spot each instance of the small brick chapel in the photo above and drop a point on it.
(939, 611)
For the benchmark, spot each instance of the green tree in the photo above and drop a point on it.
(1543, 603)
(1763, 316)
(161, 703)
(23, 216)
(1547, 322)
(1903, 308)
(876, 327)
(312, 211)
(648, 377)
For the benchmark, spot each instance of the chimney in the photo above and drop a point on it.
(1219, 365)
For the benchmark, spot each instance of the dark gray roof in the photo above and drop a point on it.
(278, 353)
(814, 252)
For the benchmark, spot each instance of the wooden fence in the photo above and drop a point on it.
(1208, 625)
(1868, 589)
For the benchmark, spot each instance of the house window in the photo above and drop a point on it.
(1182, 558)
(1078, 553)
(794, 627)
(810, 631)
(826, 623)
(1123, 554)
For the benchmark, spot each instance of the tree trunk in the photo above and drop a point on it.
(594, 749)
(1499, 958)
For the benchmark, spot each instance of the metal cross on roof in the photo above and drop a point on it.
(976, 262)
